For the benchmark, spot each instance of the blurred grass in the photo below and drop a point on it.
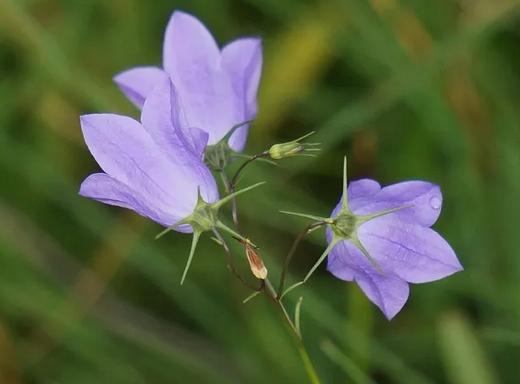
(409, 89)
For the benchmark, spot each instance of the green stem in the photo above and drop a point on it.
(234, 179)
(288, 258)
(268, 288)
(307, 363)
(304, 355)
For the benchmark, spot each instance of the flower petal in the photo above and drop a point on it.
(199, 140)
(424, 199)
(360, 192)
(103, 188)
(137, 83)
(242, 59)
(415, 253)
(127, 153)
(384, 289)
(188, 42)
(192, 58)
(387, 291)
(162, 119)
(340, 258)
(362, 188)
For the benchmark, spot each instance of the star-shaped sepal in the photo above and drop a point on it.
(205, 218)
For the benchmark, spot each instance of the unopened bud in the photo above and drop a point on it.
(293, 148)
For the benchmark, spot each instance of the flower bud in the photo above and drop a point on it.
(292, 148)
(279, 151)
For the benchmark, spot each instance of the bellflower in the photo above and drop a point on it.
(155, 167)
(216, 87)
(381, 239)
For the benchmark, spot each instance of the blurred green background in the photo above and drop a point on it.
(409, 89)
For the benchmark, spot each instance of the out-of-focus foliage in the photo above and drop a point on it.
(408, 89)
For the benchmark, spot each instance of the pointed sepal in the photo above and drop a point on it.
(194, 242)
(325, 253)
(357, 243)
(344, 197)
(364, 218)
(307, 216)
(227, 136)
(231, 196)
(171, 228)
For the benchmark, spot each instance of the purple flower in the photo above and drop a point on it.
(217, 88)
(392, 243)
(154, 167)
(381, 239)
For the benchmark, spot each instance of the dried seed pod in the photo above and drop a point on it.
(255, 261)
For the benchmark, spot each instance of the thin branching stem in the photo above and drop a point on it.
(292, 251)
(266, 286)
(230, 185)
(240, 169)
(231, 263)
(304, 355)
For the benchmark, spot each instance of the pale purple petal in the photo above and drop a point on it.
(339, 261)
(384, 289)
(127, 153)
(360, 192)
(423, 199)
(415, 253)
(164, 119)
(137, 83)
(103, 188)
(192, 58)
(199, 141)
(188, 42)
(161, 119)
(238, 139)
(242, 59)
(387, 291)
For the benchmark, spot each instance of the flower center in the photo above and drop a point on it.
(204, 217)
(345, 224)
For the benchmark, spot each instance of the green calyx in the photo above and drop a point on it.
(218, 156)
(205, 215)
(345, 225)
(204, 218)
